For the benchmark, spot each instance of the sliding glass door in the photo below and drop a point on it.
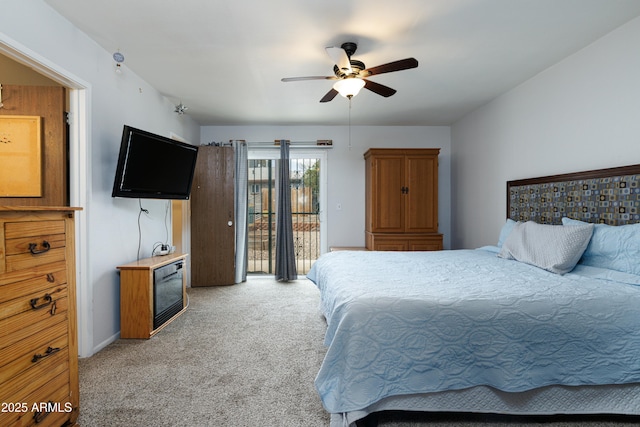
(308, 195)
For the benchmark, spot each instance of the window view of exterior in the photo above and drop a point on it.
(262, 215)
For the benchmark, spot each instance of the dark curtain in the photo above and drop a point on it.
(285, 251)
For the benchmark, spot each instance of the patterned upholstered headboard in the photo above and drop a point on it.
(610, 196)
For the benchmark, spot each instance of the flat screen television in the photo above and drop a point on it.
(153, 167)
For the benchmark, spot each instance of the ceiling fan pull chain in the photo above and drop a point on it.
(350, 123)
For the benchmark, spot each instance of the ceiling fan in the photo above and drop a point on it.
(351, 74)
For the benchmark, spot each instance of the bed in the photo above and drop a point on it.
(547, 321)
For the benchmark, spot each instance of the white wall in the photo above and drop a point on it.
(346, 166)
(581, 114)
(112, 230)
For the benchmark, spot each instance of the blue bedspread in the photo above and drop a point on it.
(415, 322)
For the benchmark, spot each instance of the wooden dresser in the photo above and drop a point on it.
(38, 331)
(402, 199)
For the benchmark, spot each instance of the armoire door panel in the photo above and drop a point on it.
(421, 214)
(388, 177)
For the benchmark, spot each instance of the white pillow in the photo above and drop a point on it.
(551, 247)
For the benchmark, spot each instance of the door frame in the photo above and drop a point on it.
(79, 176)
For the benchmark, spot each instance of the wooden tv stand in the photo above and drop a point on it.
(136, 296)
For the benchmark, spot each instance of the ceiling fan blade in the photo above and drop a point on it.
(403, 64)
(340, 58)
(298, 79)
(382, 90)
(329, 96)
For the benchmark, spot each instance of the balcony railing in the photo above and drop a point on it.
(262, 241)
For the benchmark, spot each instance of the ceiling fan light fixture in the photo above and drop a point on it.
(349, 87)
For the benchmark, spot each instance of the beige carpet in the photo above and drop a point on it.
(242, 355)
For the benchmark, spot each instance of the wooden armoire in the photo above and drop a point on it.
(402, 199)
(213, 218)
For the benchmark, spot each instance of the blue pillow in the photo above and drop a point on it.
(506, 230)
(613, 247)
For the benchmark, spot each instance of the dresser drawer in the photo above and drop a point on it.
(40, 283)
(45, 300)
(403, 241)
(19, 229)
(32, 351)
(17, 328)
(27, 261)
(55, 393)
(19, 387)
(32, 243)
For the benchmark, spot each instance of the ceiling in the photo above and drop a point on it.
(224, 59)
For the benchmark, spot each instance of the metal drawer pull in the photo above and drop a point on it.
(49, 352)
(33, 246)
(47, 300)
(50, 278)
(39, 416)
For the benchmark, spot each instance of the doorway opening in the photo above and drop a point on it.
(307, 192)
